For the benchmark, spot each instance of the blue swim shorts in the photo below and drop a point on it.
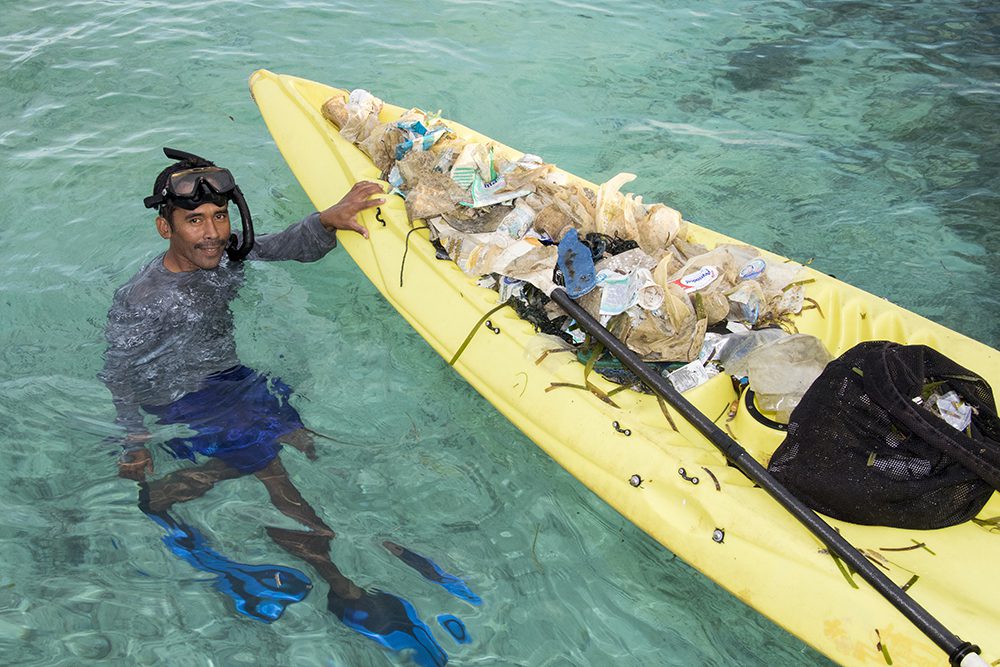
(237, 415)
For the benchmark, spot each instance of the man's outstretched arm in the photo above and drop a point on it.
(316, 235)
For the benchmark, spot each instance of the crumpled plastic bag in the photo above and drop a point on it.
(362, 115)
(479, 254)
(625, 216)
(436, 194)
(380, 145)
(659, 228)
(573, 200)
(335, 111)
(628, 261)
(713, 275)
(527, 172)
(615, 212)
(554, 222)
(671, 333)
(463, 249)
(413, 167)
(535, 267)
(357, 118)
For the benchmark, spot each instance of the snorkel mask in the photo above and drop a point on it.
(198, 182)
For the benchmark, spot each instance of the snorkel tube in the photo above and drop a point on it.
(210, 182)
(238, 251)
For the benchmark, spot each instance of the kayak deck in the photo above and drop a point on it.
(723, 525)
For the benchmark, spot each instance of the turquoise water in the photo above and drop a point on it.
(859, 135)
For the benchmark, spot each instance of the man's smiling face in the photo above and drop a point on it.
(197, 237)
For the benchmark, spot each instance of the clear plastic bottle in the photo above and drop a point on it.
(780, 372)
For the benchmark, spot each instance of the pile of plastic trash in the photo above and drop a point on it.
(503, 220)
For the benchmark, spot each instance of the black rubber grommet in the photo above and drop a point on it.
(756, 414)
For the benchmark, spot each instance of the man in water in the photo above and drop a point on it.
(172, 354)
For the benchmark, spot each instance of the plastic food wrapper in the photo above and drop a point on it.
(516, 223)
(950, 407)
(418, 135)
(628, 261)
(780, 372)
(476, 171)
(622, 291)
(474, 159)
(494, 192)
(692, 375)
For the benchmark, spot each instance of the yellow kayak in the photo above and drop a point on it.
(628, 454)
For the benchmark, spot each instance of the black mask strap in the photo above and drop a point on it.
(184, 156)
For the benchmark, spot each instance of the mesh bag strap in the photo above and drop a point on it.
(895, 374)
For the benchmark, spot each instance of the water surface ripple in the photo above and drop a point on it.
(859, 135)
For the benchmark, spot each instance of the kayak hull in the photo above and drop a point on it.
(723, 526)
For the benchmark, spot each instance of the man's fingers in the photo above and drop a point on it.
(359, 228)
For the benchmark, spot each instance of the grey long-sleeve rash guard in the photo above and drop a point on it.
(167, 331)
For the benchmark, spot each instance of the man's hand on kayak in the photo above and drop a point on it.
(344, 214)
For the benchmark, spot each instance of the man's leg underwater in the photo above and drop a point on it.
(384, 617)
(312, 546)
(186, 484)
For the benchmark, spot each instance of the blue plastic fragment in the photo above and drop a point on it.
(576, 264)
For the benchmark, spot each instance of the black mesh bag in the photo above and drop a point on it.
(861, 449)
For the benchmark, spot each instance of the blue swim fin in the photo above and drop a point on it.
(430, 570)
(392, 622)
(261, 592)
